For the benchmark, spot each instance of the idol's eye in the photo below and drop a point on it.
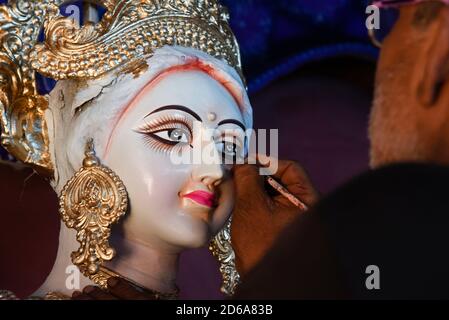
(230, 149)
(165, 133)
(173, 136)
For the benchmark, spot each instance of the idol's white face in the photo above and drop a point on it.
(175, 205)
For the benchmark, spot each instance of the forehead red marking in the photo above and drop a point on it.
(198, 65)
(194, 64)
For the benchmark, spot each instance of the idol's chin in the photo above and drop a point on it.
(196, 231)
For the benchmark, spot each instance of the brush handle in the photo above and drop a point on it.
(287, 194)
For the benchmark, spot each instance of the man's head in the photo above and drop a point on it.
(410, 116)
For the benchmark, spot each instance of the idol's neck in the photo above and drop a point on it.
(148, 266)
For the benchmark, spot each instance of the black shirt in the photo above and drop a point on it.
(394, 220)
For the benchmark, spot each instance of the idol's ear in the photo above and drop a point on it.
(431, 24)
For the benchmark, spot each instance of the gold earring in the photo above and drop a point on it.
(221, 249)
(91, 201)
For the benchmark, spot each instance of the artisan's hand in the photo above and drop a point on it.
(259, 214)
(118, 289)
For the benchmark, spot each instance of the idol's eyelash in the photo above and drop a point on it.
(166, 123)
(148, 130)
(154, 143)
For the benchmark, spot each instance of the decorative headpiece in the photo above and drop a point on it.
(130, 31)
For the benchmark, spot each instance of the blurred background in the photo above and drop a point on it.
(310, 68)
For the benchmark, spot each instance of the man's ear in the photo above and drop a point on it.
(433, 62)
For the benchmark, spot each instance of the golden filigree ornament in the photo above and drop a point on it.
(90, 203)
(130, 30)
(221, 248)
(22, 125)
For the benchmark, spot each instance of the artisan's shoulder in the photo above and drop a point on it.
(396, 219)
(403, 189)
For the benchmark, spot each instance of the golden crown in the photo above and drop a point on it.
(130, 30)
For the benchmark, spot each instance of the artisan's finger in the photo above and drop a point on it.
(249, 184)
(290, 172)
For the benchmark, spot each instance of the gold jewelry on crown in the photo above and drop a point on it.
(129, 31)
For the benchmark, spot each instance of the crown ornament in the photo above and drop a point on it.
(130, 30)
(23, 129)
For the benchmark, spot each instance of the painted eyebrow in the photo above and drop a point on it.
(180, 108)
(233, 121)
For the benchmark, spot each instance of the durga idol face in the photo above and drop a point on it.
(177, 205)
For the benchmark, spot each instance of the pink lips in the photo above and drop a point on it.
(202, 197)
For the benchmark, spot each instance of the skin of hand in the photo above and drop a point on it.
(261, 213)
(118, 289)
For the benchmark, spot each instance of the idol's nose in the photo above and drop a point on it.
(209, 174)
(209, 170)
